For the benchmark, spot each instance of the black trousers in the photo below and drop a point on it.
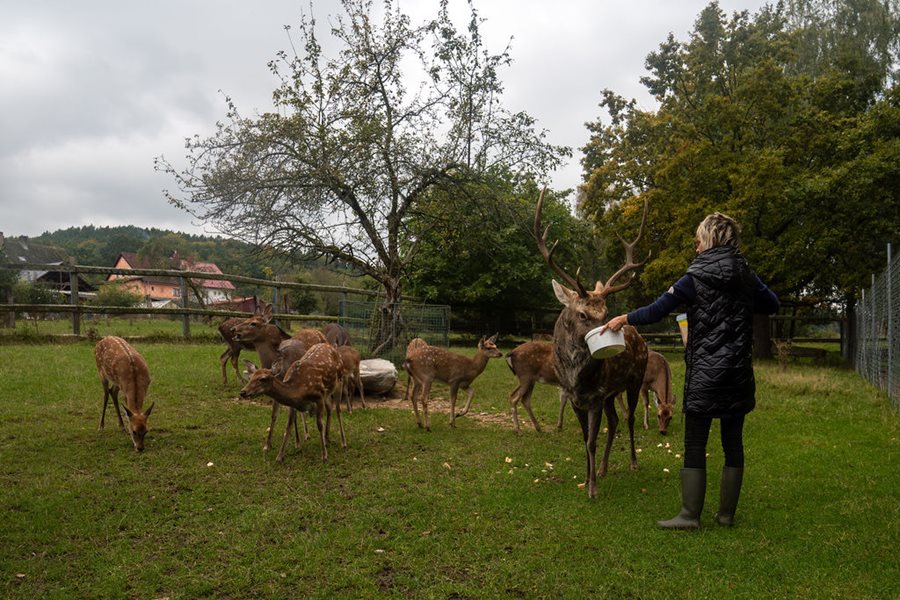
(696, 435)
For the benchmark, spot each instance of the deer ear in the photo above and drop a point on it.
(249, 366)
(563, 294)
(150, 410)
(128, 413)
(493, 338)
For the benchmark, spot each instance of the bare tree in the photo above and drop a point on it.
(358, 139)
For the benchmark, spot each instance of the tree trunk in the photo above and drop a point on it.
(387, 326)
(762, 338)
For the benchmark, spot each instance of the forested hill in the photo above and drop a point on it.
(100, 246)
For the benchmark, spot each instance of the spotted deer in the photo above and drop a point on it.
(425, 364)
(311, 384)
(532, 362)
(121, 367)
(590, 384)
(352, 381)
(265, 339)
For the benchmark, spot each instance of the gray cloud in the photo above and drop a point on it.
(93, 91)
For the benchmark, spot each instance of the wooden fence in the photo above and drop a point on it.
(78, 309)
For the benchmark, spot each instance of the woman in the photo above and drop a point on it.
(721, 294)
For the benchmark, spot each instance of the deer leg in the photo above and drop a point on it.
(340, 420)
(562, 409)
(454, 388)
(362, 393)
(514, 397)
(609, 408)
(471, 392)
(426, 392)
(292, 415)
(411, 393)
(305, 426)
(593, 422)
(622, 405)
(345, 389)
(327, 420)
(645, 394)
(583, 420)
(268, 445)
(223, 361)
(526, 400)
(296, 433)
(105, 401)
(114, 392)
(323, 439)
(633, 396)
(235, 362)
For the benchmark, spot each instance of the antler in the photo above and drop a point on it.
(630, 265)
(548, 254)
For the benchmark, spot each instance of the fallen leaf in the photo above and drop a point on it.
(639, 450)
(665, 470)
(379, 551)
(380, 430)
(210, 464)
(548, 465)
(447, 466)
(20, 575)
(508, 459)
(677, 456)
(581, 485)
(537, 481)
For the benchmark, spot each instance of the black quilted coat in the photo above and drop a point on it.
(719, 355)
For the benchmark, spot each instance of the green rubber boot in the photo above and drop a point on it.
(729, 492)
(693, 492)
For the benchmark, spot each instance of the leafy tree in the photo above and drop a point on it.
(117, 294)
(475, 246)
(805, 154)
(359, 140)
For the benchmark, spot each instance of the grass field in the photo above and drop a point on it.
(475, 512)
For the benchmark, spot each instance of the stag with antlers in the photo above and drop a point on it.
(589, 384)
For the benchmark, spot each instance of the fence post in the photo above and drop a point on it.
(276, 301)
(890, 322)
(73, 299)
(185, 318)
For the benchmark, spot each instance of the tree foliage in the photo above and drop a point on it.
(358, 139)
(787, 120)
(475, 246)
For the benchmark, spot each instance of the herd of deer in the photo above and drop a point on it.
(313, 372)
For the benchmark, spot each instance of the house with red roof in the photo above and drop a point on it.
(169, 288)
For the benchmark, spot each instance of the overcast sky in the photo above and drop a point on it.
(91, 91)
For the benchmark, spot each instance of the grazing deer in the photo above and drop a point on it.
(532, 362)
(590, 384)
(426, 363)
(337, 335)
(351, 358)
(658, 379)
(310, 385)
(121, 367)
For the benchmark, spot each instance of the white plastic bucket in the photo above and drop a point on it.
(606, 344)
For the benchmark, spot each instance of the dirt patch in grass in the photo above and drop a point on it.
(396, 400)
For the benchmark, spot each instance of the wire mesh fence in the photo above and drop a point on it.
(384, 330)
(877, 356)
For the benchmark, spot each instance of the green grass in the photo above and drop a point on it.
(407, 513)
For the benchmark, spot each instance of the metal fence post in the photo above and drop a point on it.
(890, 323)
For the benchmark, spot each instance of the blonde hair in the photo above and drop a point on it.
(718, 229)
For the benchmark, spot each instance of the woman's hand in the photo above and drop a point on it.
(616, 323)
